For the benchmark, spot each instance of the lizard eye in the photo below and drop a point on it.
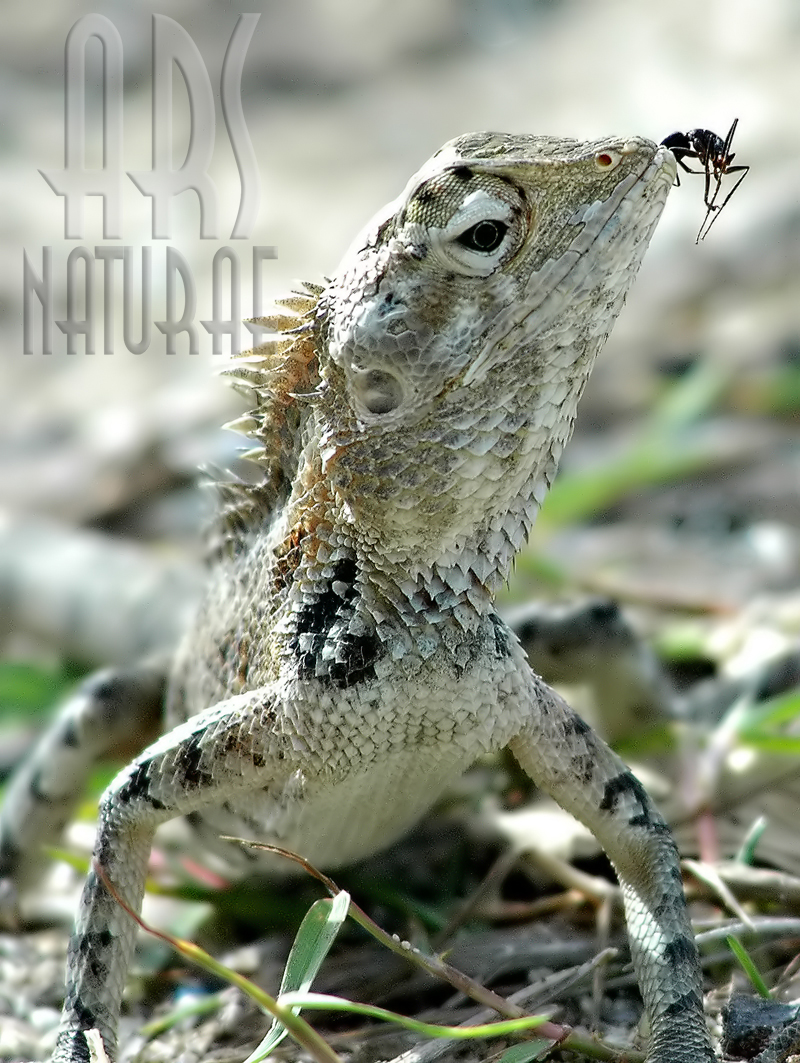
(484, 237)
(481, 235)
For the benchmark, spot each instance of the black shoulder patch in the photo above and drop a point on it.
(344, 659)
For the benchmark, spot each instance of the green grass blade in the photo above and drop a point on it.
(326, 1002)
(785, 745)
(748, 966)
(747, 850)
(526, 1052)
(310, 947)
(785, 708)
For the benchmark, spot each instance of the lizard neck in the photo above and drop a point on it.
(411, 556)
(435, 508)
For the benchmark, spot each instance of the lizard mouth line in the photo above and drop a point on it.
(595, 218)
(604, 220)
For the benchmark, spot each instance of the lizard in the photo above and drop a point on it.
(347, 661)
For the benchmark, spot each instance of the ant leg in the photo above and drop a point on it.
(726, 147)
(711, 168)
(721, 164)
(742, 171)
(708, 199)
(682, 164)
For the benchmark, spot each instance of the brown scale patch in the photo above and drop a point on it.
(288, 556)
(309, 519)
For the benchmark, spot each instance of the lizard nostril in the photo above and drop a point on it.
(607, 160)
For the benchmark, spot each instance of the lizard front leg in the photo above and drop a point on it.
(565, 757)
(232, 747)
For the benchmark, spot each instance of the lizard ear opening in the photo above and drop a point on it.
(377, 390)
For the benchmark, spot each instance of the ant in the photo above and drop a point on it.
(715, 156)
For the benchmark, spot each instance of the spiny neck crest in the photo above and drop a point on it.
(278, 377)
